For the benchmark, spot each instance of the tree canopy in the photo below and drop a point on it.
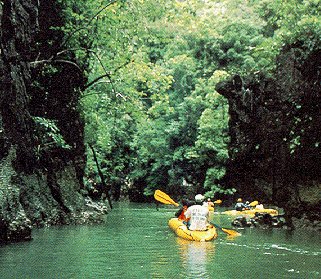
(150, 105)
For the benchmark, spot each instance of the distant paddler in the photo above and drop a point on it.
(210, 205)
(240, 206)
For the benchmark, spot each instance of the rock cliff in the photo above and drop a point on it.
(275, 152)
(42, 156)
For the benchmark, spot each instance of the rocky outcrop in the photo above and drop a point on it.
(275, 150)
(42, 156)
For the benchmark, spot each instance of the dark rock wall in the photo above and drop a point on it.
(17, 25)
(38, 184)
(275, 152)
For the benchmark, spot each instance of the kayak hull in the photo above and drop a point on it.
(251, 212)
(182, 231)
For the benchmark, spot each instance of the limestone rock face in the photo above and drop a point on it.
(275, 153)
(40, 177)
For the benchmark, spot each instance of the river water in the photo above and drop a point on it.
(137, 243)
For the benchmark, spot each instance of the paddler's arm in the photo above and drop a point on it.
(179, 212)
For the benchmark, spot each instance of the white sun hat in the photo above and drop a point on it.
(199, 198)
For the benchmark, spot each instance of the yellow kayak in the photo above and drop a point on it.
(182, 231)
(251, 212)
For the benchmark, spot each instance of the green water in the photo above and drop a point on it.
(137, 243)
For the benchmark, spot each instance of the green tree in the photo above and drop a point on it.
(150, 106)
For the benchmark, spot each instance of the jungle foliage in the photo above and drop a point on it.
(150, 105)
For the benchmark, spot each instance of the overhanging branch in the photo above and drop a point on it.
(52, 60)
(90, 20)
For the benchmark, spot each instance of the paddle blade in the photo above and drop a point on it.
(231, 232)
(218, 202)
(254, 203)
(164, 198)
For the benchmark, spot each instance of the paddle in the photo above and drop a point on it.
(227, 231)
(166, 199)
(254, 203)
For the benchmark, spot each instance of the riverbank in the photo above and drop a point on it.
(20, 229)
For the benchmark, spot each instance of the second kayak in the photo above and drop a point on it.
(251, 212)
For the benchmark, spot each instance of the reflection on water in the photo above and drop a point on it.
(195, 257)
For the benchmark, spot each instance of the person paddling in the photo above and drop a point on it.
(209, 204)
(197, 215)
(240, 206)
(180, 214)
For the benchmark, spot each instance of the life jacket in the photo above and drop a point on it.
(182, 215)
